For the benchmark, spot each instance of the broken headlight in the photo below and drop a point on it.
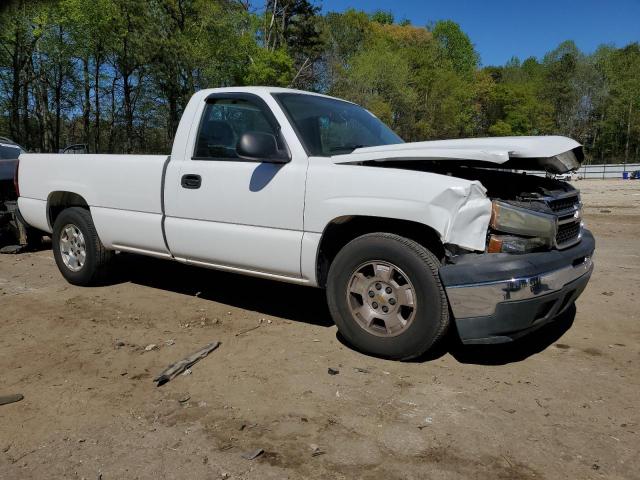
(526, 230)
(513, 244)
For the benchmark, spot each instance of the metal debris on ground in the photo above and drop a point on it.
(332, 371)
(252, 454)
(7, 399)
(176, 368)
(151, 346)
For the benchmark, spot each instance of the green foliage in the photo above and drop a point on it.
(456, 46)
(383, 17)
(269, 68)
(117, 74)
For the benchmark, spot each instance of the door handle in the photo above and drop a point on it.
(191, 181)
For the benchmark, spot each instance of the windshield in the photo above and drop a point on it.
(329, 127)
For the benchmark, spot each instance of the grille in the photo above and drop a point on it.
(560, 204)
(567, 233)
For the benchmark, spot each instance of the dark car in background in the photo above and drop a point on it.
(9, 153)
(12, 230)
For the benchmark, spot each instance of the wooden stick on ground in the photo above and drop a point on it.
(7, 399)
(176, 368)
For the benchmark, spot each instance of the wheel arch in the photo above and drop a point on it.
(60, 200)
(341, 230)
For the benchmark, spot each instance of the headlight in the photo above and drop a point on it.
(518, 221)
(511, 244)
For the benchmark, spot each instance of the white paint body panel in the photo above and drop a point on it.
(34, 211)
(496, 150)
(457, 209)
(122, 191)
(129, 230)
(125, 182)
(236, 246)
(246, 215)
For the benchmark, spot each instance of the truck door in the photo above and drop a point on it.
(230, 212)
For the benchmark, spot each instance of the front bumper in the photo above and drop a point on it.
(496, 298)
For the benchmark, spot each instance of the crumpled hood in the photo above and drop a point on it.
(554, 154)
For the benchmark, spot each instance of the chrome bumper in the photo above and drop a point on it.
(481, 299)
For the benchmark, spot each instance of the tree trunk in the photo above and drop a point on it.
(26, 131)
(59, 79)
(113, 113)
(127, 88)
(58, 106)
(86, 104)
(128, 113)
(17, 66)
(14, 123)
(42, 105)
(96, 79)
(173, 114)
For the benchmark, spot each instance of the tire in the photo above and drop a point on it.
(95, 266)
(415, 322)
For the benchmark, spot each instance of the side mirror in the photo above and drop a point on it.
(260, 147)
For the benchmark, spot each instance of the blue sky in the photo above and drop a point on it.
(502, 29)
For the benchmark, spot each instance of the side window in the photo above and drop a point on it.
(223, 123)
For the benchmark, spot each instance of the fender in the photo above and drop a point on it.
(457, 210)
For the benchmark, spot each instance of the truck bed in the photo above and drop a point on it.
(124, 193)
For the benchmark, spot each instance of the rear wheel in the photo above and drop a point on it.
(77, 249)
(385, 295)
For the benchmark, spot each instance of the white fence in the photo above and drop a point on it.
(612, 170)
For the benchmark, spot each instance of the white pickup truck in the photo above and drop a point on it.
(408, 239)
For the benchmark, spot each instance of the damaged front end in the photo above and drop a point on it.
(537, 259)
(517, 255)
(529, 213)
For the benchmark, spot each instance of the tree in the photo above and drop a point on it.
(292, 26)
(119, 73)
(89, 23)
(456, 46)
(383, 17)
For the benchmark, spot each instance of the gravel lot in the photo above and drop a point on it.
(562, 403)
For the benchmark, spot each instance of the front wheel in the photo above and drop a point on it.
(385, 296)
(79, 253)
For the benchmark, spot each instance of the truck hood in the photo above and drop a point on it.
(554, 154)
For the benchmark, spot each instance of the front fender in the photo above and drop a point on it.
(457, 209)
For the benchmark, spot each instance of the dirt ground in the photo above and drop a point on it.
(562, 403)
